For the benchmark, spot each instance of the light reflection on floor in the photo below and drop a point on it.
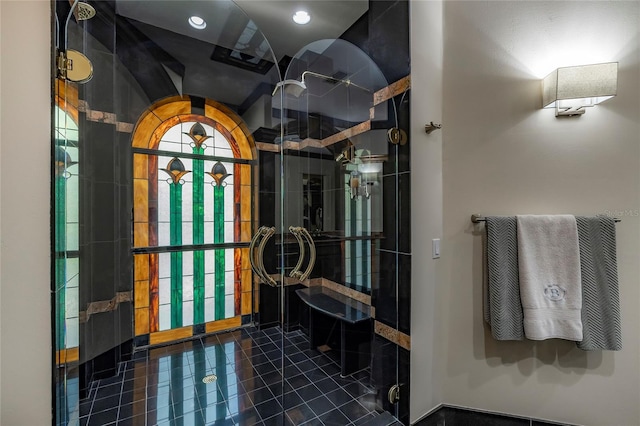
(163, 386)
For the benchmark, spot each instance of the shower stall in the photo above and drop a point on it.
(230, 212)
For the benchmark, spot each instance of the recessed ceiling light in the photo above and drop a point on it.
(197, 23)
(301, 17)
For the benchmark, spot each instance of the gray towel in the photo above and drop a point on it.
(503, 309)
(600, 297)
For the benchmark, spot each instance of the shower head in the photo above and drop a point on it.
(291, 87)
(84, 11)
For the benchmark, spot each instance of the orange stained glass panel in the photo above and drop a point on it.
(245, 203)
(224, 324)
(172, 108)
(153, 201)
(246, 280)
(237, 232)
(236, 299)
(222, 114)
(245, 231)
(246, 150)
(141, 267)
(142, 321)
(154, 293)
(140, 200)
(67, 97)
(141, 294)
(140, 234)
(159, 132)
(245, 174)
(67, 355)
(244, 256)
(170, 335)
(145, 127)
(246, 303)
(140, 166)
(237, 283)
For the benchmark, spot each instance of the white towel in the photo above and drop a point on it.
(549, 268)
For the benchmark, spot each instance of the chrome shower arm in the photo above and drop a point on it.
(347, 82)
(66, 25)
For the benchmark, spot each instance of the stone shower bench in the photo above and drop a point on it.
(327, 307)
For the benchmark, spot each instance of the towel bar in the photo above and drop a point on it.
(477, 218)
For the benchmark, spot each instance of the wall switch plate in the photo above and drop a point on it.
(435, 245)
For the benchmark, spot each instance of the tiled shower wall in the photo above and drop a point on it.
(384, 36)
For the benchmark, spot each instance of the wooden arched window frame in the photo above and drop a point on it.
(147, 134)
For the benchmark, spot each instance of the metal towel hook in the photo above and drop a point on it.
(431, 127)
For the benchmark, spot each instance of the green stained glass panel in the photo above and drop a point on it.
(218, 237)
(176, 257)
(198, 237)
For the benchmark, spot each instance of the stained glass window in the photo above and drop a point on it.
(66, 233)
(192, 221)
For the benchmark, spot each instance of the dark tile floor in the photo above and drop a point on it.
(163, 386)
(460, 416)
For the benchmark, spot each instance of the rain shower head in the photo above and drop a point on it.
(291, 87)
(84, 11)
(296, 88)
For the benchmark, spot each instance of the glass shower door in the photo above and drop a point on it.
(156, 201)
(334, 148)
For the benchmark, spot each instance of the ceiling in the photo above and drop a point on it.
(329, 19)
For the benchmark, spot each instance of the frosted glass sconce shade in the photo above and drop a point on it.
(571, 89)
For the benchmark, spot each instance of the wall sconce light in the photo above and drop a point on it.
(357, 186)
(363, 178)
(571, 89)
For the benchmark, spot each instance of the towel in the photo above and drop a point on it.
(550, 286)
(600, 298)
(503, 309)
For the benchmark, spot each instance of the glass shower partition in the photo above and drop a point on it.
(155, 193)
(334, 147)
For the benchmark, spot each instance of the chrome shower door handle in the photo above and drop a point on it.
(267, 233)
(301, 233)
(252, 254)
(312, 254)
(295, 231)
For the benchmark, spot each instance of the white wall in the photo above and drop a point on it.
(0, 218)
(503, 155)
(427, 351)
(25, 312)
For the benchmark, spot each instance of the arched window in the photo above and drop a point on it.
(192, 202)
